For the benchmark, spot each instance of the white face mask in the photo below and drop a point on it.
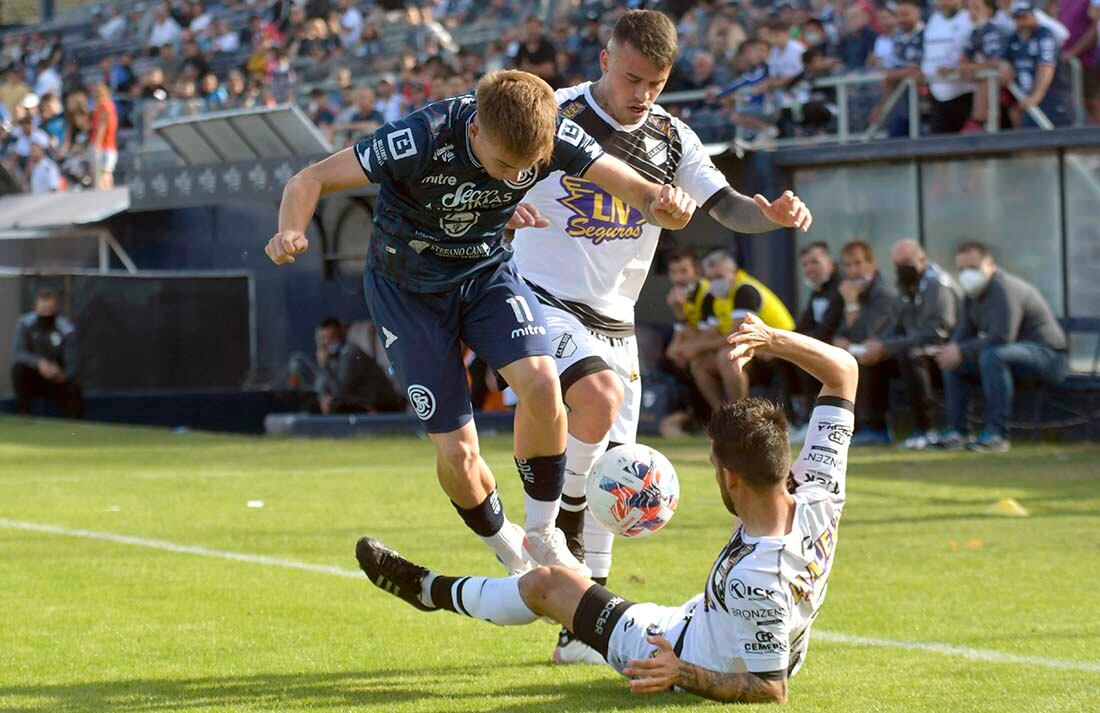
(720, 287)
(810, 284)
(973, 281)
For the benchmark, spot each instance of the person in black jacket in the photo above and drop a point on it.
(350, 380)
(925, 314)
(44, 358)
(1006, 331)
(819, 319)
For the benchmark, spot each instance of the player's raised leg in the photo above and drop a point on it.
(504, 324)
(422, 344)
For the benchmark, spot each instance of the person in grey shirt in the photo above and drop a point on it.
(925, 314)
(1006, 331)
(44, 358)
(868, 315)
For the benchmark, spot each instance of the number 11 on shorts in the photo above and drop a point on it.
(522, 311)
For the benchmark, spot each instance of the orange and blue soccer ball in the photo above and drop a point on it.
(633, 490)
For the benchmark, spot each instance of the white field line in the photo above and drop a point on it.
(987, 655)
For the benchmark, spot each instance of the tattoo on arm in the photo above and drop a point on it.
(739, 212)
(730, 687)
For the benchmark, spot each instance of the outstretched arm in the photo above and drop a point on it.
(835, 368)
(666, 206)
(338, 172)
(737, 211)
(664, 670)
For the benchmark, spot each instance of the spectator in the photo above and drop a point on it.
(201, 20)
(1006, 20)
(819, 319)
(319, 110)
(252, 35)
(71, 78)
(170, 61)
(784, 61)
(1031, 58)
(351, 24)
(53, 120)
(226, 41)
(41, 175)
(690, 300)
(214, 95)
(350, 381)
(153, 86)
(237, 90)
(536, 54)
(104, 142)
(734, 293)
(114, 29)
(281, 77)
(49, 78)
(44, 359)
(883, 54)
(868, 314)
(586, 57)
(925, 317)
(1074, 14)
(13, 89)
(165, 31)
(945, 39)
(390, 105)
(908, 43)
(26, 134)
(983, 51)
(1006, 331)
(858, 41)
(194, 65)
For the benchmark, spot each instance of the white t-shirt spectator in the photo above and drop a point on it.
(785, 62)
(1003, 20)
(200, 23)
(945, 40)
(48, 82)
(23, 141)
(391, 109)
(884, 50)
(45, 176)
(113, 29)
(229, 42)
(351, 27)
(164, 33)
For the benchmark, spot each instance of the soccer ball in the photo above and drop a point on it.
(633, 490)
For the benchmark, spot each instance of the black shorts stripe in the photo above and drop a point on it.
(587, 316)
(580, 369)
(597, 615)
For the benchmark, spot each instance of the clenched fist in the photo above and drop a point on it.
(285, 245)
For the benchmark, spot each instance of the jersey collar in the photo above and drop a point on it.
(607, 117)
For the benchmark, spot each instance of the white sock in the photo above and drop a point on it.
(539, 514)
(597, 546)
(426, 589)
(579, 458)
(506, 543)
(496, 601)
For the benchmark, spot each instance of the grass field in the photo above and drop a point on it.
(933, 605)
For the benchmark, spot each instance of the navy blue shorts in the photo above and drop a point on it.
(494, 313)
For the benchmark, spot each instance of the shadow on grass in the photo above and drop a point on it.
(354, 690)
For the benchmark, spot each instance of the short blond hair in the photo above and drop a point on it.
(519, 113)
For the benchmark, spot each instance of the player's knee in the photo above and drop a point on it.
(598, 397)
(461, 456)
(540, 387)
(535, 586)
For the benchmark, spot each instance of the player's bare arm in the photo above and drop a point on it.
(665, 669)
(835, 368)
(737, 211)
(338, 172)
(666, 206)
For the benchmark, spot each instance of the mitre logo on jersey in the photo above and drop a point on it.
(597, 215)
(656, 151)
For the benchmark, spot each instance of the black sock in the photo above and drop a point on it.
(485, 519)
(572, 526)
(441, 593)
(542, 476)
(602, 581)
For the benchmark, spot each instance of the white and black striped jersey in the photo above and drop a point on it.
(594, 257)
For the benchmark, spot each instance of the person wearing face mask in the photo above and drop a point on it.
(823, 312)
(350, 381)
(1006, 331)
(44, 359)
(735, 293)
(869, 306)
(925, 315)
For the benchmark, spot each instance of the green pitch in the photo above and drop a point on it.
(922, 574)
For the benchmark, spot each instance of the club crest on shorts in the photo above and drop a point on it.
(422, 400)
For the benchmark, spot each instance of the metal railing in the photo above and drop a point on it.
(843, 84)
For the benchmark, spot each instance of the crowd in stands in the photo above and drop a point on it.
(354, 64)
(983, 333)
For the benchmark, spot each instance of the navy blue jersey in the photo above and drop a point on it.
(1025, 55)
(752, 76)
(909, 48)
(439, 217)
(986, 42)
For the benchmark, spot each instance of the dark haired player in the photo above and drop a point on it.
(748, 631)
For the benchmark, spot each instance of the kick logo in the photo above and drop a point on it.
(423, 401)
